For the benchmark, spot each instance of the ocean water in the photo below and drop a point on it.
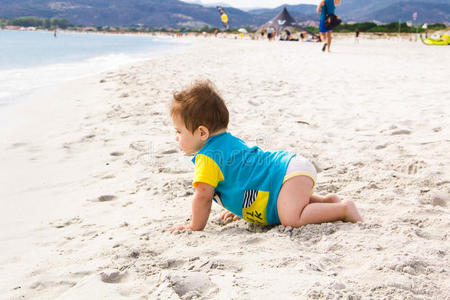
(33, 60)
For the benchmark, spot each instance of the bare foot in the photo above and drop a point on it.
(332, 198)
(351, 212)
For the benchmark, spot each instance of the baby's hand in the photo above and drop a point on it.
(228, 214)
(180, 228)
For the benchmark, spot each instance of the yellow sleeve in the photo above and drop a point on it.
(206, 171)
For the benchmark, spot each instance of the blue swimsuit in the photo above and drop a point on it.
(247, 180)
(331, 9)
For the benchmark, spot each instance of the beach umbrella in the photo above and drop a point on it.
(242, 30)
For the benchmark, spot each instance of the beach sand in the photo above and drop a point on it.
(92, 179)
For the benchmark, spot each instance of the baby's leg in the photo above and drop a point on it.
(295, 208)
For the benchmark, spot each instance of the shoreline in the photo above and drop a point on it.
(59, 72)
(93, 183)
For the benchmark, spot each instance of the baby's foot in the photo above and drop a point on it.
(351, 213)
(332, 198)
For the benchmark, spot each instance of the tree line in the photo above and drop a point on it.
(387, 28)
(42, 23)
(53, 23)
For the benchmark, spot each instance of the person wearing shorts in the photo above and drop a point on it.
(270, 33)
(326, 33)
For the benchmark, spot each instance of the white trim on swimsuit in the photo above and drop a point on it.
(300, 166)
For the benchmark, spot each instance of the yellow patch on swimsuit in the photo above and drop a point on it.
(254, 206)
(206, 171)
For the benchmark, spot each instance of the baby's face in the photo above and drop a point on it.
(188, 142)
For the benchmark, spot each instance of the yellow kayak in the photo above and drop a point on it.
(437, 39)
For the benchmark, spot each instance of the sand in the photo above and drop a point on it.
(92, 178)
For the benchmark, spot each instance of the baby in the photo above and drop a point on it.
(260, 187)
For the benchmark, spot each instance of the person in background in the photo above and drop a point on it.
(325, 33)
(357, 36)
(288, 34)
(270, 33)
(263, 31)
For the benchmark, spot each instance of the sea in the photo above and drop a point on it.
(32, 60)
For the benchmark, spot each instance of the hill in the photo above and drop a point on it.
(427, 13)
(152, 13)
(384, 11)
(175, 14)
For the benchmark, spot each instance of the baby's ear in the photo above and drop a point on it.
(204, 132)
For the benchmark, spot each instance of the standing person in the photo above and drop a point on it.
(325, 33)
(270, 33)
(262, 31)
(357, 36)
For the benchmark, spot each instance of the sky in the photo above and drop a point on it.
(254, 3)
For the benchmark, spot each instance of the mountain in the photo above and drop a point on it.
(152, 13)
(384, 11)
(301, 12)
(175, 14)
(427, 13)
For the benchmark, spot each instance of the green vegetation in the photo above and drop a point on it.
(382, 28)
(41, 23)
(53, 23)
(387, 28)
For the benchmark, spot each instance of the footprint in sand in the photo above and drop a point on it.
(381, 146)
(191, 285)
(178, 188)
(412, 265)
(116, 153)
(205, 265)
(440, 199)
(103, 198)
(401, 132)
(171, 151)
(112, 276)
(88, 138)
(140, 146)
(62, 223)
(413, 167)
(17, 145)
(170, 170)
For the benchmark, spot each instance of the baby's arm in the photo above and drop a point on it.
(201, 207)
